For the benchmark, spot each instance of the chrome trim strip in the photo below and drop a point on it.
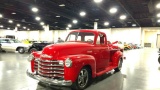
(49, 80)
(51, 68)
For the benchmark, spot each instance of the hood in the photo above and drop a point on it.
(67, 48)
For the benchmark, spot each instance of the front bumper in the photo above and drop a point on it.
(49, 80)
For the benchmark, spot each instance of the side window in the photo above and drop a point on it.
(4, 41)
(72, 37)
(101, 39)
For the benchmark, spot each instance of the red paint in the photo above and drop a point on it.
(101, 58)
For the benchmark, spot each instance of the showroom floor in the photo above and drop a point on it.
(140, 71)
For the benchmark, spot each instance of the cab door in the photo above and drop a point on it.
(103, 51)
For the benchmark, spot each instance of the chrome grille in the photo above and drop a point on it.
(49, 68)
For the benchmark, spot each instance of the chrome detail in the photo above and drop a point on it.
(46, 56)
(49, 68)
(49, 80)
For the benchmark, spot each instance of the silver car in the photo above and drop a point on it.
(8, 44)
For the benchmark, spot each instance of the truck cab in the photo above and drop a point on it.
(84, 55)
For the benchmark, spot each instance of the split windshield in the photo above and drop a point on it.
(87, 37)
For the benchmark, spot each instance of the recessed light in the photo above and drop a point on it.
(134, 25)
(113, 10)
(158, 15)
(1, 26)
(58, 16)
(98, 1)
(24, 27)
(69, 25)
(129, 22)
(158, 21)
(55, 22)
(75, 21)
(28, 29)
(42, 23)
(62, 5)
(43, 26)
(38, 18)
(158, 5)
(34, 9)
(96, 19)
(18, 25)
(113, 26)
(122, 17)
(10, 21)
(106, 23)
(1, 15)
(13, 13)
(82, 13)
(8, 28)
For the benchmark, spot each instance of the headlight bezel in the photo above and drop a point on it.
(30, 57)
(68, 62)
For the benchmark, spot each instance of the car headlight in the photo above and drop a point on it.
(30, 57)
(68, 62)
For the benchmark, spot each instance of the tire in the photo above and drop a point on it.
(119, 66)
(159, 59)
(21, 50)
(83, 79)
(32, 50)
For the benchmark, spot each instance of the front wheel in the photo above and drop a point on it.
(83, 79)
(119, 66)
(21, 50)
(32, 50)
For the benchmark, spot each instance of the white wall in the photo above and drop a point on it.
(129, 35)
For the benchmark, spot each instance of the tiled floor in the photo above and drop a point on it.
(141, 71)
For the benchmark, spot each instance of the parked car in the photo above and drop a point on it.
(38, 46)
(84, 55)
(8, 44)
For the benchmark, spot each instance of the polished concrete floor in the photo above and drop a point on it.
(141, 71)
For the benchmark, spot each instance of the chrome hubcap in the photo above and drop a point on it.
(21, 50)
(83, 78)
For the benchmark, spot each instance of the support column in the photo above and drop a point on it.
(15, 32)
(46, 29)
(95, 25)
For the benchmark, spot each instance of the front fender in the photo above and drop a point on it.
(78, 62)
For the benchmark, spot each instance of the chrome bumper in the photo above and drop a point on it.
(48, 80)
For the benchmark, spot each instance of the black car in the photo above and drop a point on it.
(38, 46)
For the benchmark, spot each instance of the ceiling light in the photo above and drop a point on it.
(1, 26)
(82, 13)
(13, 13)
(98, 1)
(42, 23)
(69, 25)
(113, 10)
(134, 25)
(8, 28)
(158, 5)
(10, 21)
(18, 25)
(106, 23)
(58, 16)
(62, 5)
(1, 15)
(122, 17)
(113, 26)
(38, 18)
(43, 26)
(129, 22)
(28, 29)
(67, 28)
(24, 27)
(158, 15)
(158, 21)
(55, 22)
(75, 21)
(34, 9)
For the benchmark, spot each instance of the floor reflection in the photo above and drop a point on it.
(112, 80)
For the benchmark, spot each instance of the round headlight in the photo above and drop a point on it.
(30, 57)
(68, 62)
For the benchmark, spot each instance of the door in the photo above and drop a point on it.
(103, 52)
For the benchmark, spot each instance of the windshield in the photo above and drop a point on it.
(14, 41)
(87, 37)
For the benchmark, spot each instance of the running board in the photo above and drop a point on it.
(106, 70)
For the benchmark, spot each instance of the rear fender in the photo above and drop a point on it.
(116, 57)
(78, 62)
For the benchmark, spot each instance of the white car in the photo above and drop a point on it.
(8, 44)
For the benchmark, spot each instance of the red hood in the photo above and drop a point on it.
(67, 48)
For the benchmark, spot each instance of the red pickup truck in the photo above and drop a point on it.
(84, 55)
